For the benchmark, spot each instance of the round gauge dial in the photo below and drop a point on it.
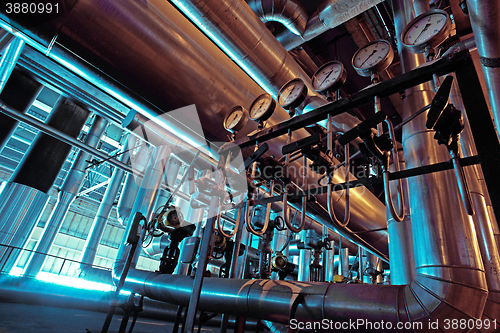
(292, 94)
(236, 119)
(262, 108)
(329, 77)
(429, 29)
(372, 58)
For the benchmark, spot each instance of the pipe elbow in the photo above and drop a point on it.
(290, 13)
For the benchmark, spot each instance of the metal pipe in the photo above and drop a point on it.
(250, 46)
(37, 170)
(485, 21)
(19, 92)
(99, 223)
(144, 203)
(421, 6)
(344, 262)
(304, 260)
(69, 190)
(290, 13)
(60, 135)
(9, 60)
(158, 38)
(5, 39)
(139, 156)
(328, 15)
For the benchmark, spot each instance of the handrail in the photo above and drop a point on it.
(385, 175)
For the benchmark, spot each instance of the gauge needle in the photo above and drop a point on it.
(289, 92)
(373, 52)
(326, 77)
(421, 32)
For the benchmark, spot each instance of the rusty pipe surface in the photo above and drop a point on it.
(290, 13)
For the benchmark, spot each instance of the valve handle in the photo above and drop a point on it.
(439, 103)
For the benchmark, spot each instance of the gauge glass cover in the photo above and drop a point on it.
(236, 119)
(262, 108)
(329, 77)
(292, 94)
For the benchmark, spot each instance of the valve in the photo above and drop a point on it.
(448, 123)
(170, 219)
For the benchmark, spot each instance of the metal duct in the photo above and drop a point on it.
(290, 13)
(328, 15)
(156, 51)
(344, 262)
(108, 200)
(238, 31)
(69, 190)
(485, 21)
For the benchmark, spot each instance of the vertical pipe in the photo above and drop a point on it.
(144, 203)
(19, 92)
(140, 154)
(421, 6)
(68, 193)
(344, 262)
(98, 225)
(401, 251)
(434, 198)
(35, 176)
(485, 22)
(304, 260)
(328, 262)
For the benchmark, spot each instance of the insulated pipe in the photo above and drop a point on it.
(421, 6)
(19, 92)
(145, 200)
(37, 172)
(99, 223)
(9, 60)
(485, 20)
(290, 13)
(328, 262)
(344, 262)
(162, 45)
(328, 15)
(483, 223)
(304, 260)
(401, 250)
(244, 37)
(139, 157)
(5, 39)
(69, 190)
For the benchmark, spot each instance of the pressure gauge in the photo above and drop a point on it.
(236, 119)
(429, 29)
(329, 77)
(262, 108)
(372, 58)
(292, 94)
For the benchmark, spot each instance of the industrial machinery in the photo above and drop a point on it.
(238, 174)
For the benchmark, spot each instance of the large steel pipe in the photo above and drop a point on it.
(154, 51)
(69, 190)
(328, 15)
(290, 13)
(30, 183)
(485, 21)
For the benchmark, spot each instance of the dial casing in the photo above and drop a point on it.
(427, 30)
(373, 58)
(236, 119)
(329, 77)
(292, 94)
(262, 108)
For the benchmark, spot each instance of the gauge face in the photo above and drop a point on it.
(329, 77)
(427, 30)
(373, 57)
(236, 119)
(292, 94)
(262, 108)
